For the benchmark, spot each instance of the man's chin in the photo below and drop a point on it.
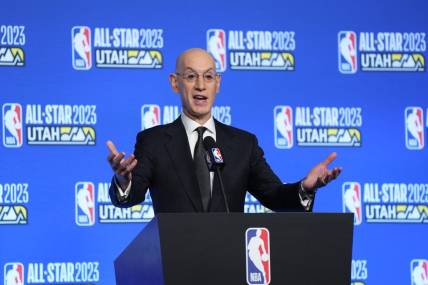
(200, 114)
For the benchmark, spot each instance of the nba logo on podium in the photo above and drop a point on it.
(13, 273)
(150, 116)
(347, 49)
(414, 120)
(419, 271)
(257, 245)
(85, 204)
(216, 46)
(351, 194)
(12, 125)
(283, 126)
(81, 48)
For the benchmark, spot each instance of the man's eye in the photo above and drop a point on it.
(209, 76)
(191, 76)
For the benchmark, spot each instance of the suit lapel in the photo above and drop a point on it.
(179, 152)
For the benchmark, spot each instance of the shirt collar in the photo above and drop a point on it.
(190, 125)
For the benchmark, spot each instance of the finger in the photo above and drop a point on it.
(321, 181)
(118, 157)
(111, 147)
(125, 170)
(129, 160)
(331, 175)
(121, 167)
(128, 169)
(125, 162)
(329, 159)
(132, 165)
(110, 157)
(336, 172)
(116, 160)
(329, 178)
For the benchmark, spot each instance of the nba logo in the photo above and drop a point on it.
(257, 245)
(347, 52)
(216, 46)
(12, 125)
(85, 204)
(351, 196)
(283, 126)
(13, 273)
(419, 271)
(414, 121)
(81, 48)
(150, 116)
(218, 158)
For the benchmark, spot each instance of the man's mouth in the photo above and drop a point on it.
(200, 98)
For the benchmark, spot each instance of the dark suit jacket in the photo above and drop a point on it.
(165, 165)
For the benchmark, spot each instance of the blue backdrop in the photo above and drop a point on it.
(307, 77)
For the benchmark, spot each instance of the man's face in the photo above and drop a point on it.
(197, 82)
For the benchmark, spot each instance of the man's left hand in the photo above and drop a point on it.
(320, 175)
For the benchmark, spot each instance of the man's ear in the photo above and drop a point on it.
(174, 82)
(218, 84)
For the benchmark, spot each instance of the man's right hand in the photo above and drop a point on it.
(122, 167)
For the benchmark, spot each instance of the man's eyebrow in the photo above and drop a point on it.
(191, 69)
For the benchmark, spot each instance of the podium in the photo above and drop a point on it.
(213, 248)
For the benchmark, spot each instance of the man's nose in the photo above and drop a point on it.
(200, 83)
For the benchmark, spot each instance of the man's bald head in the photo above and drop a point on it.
(197, 82)
(195, 54)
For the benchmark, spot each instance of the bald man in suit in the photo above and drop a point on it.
(165, 157)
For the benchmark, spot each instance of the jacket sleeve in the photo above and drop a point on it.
(141, 176)
(268, 188)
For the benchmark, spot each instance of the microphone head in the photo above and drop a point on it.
(213, 151)
(209, 142)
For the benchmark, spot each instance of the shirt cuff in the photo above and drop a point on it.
(306, 198)
(122, 193)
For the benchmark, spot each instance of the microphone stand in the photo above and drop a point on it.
(212, 166)
(222, 188)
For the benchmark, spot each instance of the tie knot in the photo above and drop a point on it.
(200, 131)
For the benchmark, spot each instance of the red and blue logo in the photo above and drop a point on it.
(283, 126)
(218, 158)
(414, 120)
(419, 271)
(85, 203)
(12, 125)
(216, 46)
(257, 245)
(347, 49)
(351, 194)
(13, 273)
(150, 116)
(81, 47)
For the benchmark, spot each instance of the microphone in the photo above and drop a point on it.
(214, 157)
(215, 162)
